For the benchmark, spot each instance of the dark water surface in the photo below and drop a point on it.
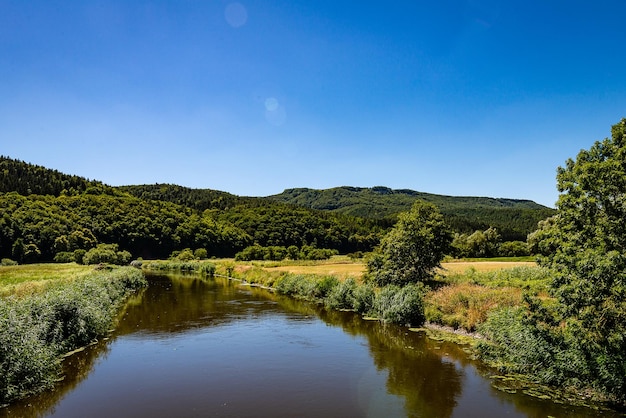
(192, 348)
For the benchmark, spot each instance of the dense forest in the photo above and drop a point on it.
(514, 219)
(44, 212)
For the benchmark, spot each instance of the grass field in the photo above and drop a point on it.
(343, 267)
(31, 278)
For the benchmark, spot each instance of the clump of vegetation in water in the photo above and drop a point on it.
(36, 330)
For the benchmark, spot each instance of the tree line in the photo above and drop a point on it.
(44, 213)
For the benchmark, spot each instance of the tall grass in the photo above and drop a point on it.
(467, 305)
(465, 300)
(36, 330)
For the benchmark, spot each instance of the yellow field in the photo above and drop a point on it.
(482, 266)
(336, 269)
(29, 278)
(356, 269)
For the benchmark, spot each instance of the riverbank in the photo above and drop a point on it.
(457, 308)
(58, 314)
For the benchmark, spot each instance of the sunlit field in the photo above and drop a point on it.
(30, 278)
(342, 266)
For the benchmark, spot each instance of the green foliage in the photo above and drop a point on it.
(590, 262)
(514, 345)
(108, 254)
(543, 241)
(279, 253)
(478, 244)
(580, 341)
(413, 249)
(400, 305)
(533, 279)
(207, 269)
(513, 249)
(200, 254)
(26, 179)
(65, 257)
(342, 296)
(8, 262)
(35, 331)
(308, 287)
(513, 218)
(147, 229)
(184, 255)
(45, 213)
(271, 223)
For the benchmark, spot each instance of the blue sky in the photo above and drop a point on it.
(472, 97)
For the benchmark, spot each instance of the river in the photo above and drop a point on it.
(187, 347)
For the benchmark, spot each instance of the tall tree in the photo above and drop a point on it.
(413, 249)
(590, 259)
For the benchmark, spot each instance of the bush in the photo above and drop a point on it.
(513, 249)
(400, 305)
(64, 257)
(364, 298)
(79, 254)
(8, 262)
(35, 331)
(108, 254)
(342, 295)
(185, 255)
(201, 254)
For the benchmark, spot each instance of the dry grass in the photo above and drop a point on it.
(32, 278)
(482, 266)
(466, 305)
(356, 269)
(341, 270)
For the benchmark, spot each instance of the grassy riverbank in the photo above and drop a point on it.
(461, 296)
(63, 308)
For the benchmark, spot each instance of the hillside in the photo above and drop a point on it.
(44, 212)
(513, 218)
(25, 179)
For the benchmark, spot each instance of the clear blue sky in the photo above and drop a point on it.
(473, 97)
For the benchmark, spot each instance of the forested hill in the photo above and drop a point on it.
(199, 199)
(44, 213)
(26, 179)
(513, 218)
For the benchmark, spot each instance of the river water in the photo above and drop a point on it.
(187, 347)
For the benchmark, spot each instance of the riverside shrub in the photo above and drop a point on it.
(36, 330)
(400, 305)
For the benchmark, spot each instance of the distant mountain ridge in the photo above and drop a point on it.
(514, 218)
(360, 200)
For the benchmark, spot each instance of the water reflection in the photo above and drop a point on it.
(191, 347)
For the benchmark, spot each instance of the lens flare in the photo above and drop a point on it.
(236, 15)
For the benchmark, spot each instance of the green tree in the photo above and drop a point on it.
(413, 248)
(107, 253)
(200, 254)
(590, 259)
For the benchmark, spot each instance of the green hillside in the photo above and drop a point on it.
(44, 212)
(513, 218)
